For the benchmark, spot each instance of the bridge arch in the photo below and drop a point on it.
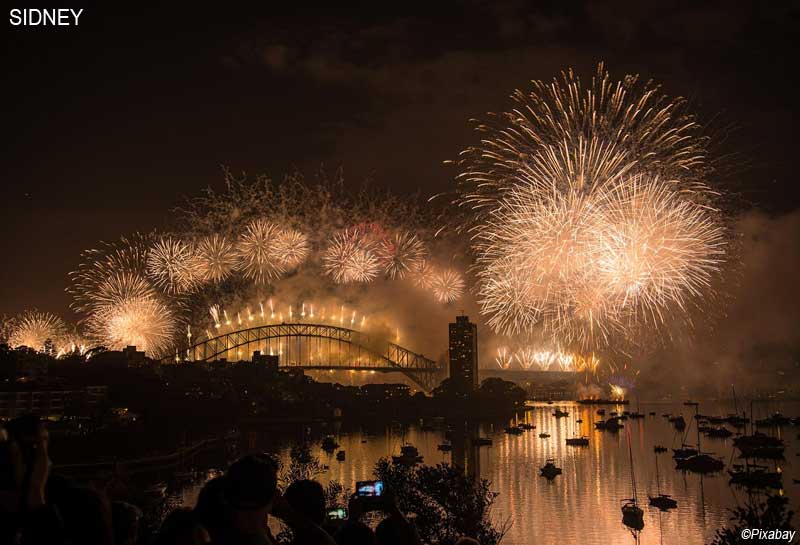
(316, 346)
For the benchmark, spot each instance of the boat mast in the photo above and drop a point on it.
(697, 425)
(658, 479)
(735, 407)
(633, 473)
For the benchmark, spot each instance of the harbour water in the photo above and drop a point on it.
(582, 505)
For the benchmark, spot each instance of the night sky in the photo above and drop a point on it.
(111, 124)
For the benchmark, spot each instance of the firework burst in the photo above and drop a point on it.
(216, 258)
(423, 275)
(258, 257)
(144, 322)
(590, 214)
(291, 248)
(401, 254)
(173, 265)
(350, 257)
(447, 286)
(38, 330)
(126, 256)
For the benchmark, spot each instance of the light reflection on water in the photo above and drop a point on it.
(583, 504)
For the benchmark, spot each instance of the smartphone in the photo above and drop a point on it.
(336, 513)
(369, 489)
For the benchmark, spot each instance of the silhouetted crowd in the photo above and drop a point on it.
(37, 507)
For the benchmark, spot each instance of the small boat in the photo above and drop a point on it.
(684, 452)
(329, 444)
(549, 469)
(612, 424)
(578, 441)
(755, 476)
(601, 412)
(700, 463)
(667, 415)
(340, 456)
(632, 514)
(760, 445)
(559, 413)
(719, 432)
(409, 455)
(635, 415)
(481, 442)
(525, 426)
(652, 413)
(544, 435)
(756, 440)
(445, 447)
(659, 448)
(513, 430)
(579, 421)
(662, 501)
(736, 421)
(549, 402)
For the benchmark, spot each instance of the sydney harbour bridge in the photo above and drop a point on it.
(317, 347)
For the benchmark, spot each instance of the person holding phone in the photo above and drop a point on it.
(375, 496)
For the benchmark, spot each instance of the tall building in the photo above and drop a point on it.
(464, 354)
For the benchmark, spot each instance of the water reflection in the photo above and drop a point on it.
(582, 505)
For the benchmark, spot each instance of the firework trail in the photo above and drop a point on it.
(447, 286)
(173, 265)
(216, 258)
(503, 358)
(257, 253)
(589, 212)
(40, 331)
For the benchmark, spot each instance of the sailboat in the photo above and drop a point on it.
(662, 501)
(700, 462)
(736, 420)
(632, 514)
